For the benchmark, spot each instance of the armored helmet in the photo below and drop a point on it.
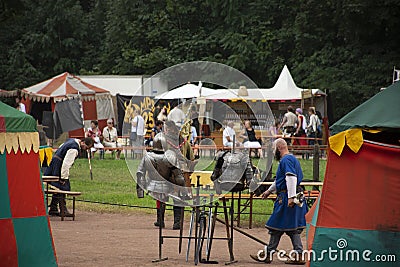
(159, 143)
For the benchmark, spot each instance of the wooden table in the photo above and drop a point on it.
(49, 178)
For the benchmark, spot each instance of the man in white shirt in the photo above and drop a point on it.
(20, 105)
(110, 136)
(138, 131)
(177, 116)
(289, 121)
(227, 135)
(59, 166)
(287, 217)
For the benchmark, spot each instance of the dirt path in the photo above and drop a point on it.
(96, 239)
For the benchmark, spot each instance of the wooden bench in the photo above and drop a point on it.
(54, 190)
(310, 195)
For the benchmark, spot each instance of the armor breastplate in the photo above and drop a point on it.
(157, 166)
(233, 171)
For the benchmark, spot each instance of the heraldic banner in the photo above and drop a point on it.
(127, 104)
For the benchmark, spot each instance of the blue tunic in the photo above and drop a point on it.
(284, 218)
(57, 161)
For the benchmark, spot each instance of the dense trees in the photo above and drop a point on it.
(346, 46)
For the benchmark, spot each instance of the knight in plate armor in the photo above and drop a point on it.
(158, 172)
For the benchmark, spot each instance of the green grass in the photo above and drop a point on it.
(112, 183)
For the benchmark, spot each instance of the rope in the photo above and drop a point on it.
(147, 207)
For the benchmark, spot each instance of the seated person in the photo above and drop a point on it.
(95, 133)
(249, 138)
(228, 134)
(156, 129)
(110, 136)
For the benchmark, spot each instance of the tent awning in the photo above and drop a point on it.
(17, 130)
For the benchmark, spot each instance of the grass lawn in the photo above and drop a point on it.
(113, 183)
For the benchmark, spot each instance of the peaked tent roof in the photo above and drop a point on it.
(62, 86)
(285, 88)
(380, 111)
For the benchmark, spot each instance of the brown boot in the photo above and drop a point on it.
(63, 208)
(53, 208)
(295, 262)
(261, 258)
(160, 217)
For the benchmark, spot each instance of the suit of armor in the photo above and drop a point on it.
(161, 169)
(163, 172)
(233, 172)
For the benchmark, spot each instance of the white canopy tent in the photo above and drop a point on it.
(186, 91)
(232, 94)
(286, 89)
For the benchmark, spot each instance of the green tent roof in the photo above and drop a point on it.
(381, 111)
(12, 120)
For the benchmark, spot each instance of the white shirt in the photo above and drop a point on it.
(291, 119)
(139, 128)
(314, 122)
(176, 115)
(194, 133)
(22, 107)
(110, 135)
(291, 184)
(69, 160)
(228, 132)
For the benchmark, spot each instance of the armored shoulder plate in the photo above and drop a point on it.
(171, 157)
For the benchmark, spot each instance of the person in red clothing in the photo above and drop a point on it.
(300, 128)
(95, 133)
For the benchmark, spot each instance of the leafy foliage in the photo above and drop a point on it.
(346, 46)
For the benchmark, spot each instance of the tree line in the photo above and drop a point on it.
(348, 47)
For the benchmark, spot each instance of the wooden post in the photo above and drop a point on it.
(316, 163)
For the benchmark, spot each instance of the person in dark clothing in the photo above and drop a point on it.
(249, 138)
(156, 129)
(59, 166)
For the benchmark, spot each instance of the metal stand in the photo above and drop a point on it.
(160, 236)
(202, 228)
(229, 229)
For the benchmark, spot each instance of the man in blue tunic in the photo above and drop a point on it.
(287, 217)
(60, 165)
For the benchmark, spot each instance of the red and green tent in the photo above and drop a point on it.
(356, 220)
(25, 234)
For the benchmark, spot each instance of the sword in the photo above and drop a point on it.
(190, 234)
(212, 226)
(181, 230)
(209, 225)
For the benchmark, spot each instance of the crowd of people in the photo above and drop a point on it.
(294, 124)
(294, 127)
